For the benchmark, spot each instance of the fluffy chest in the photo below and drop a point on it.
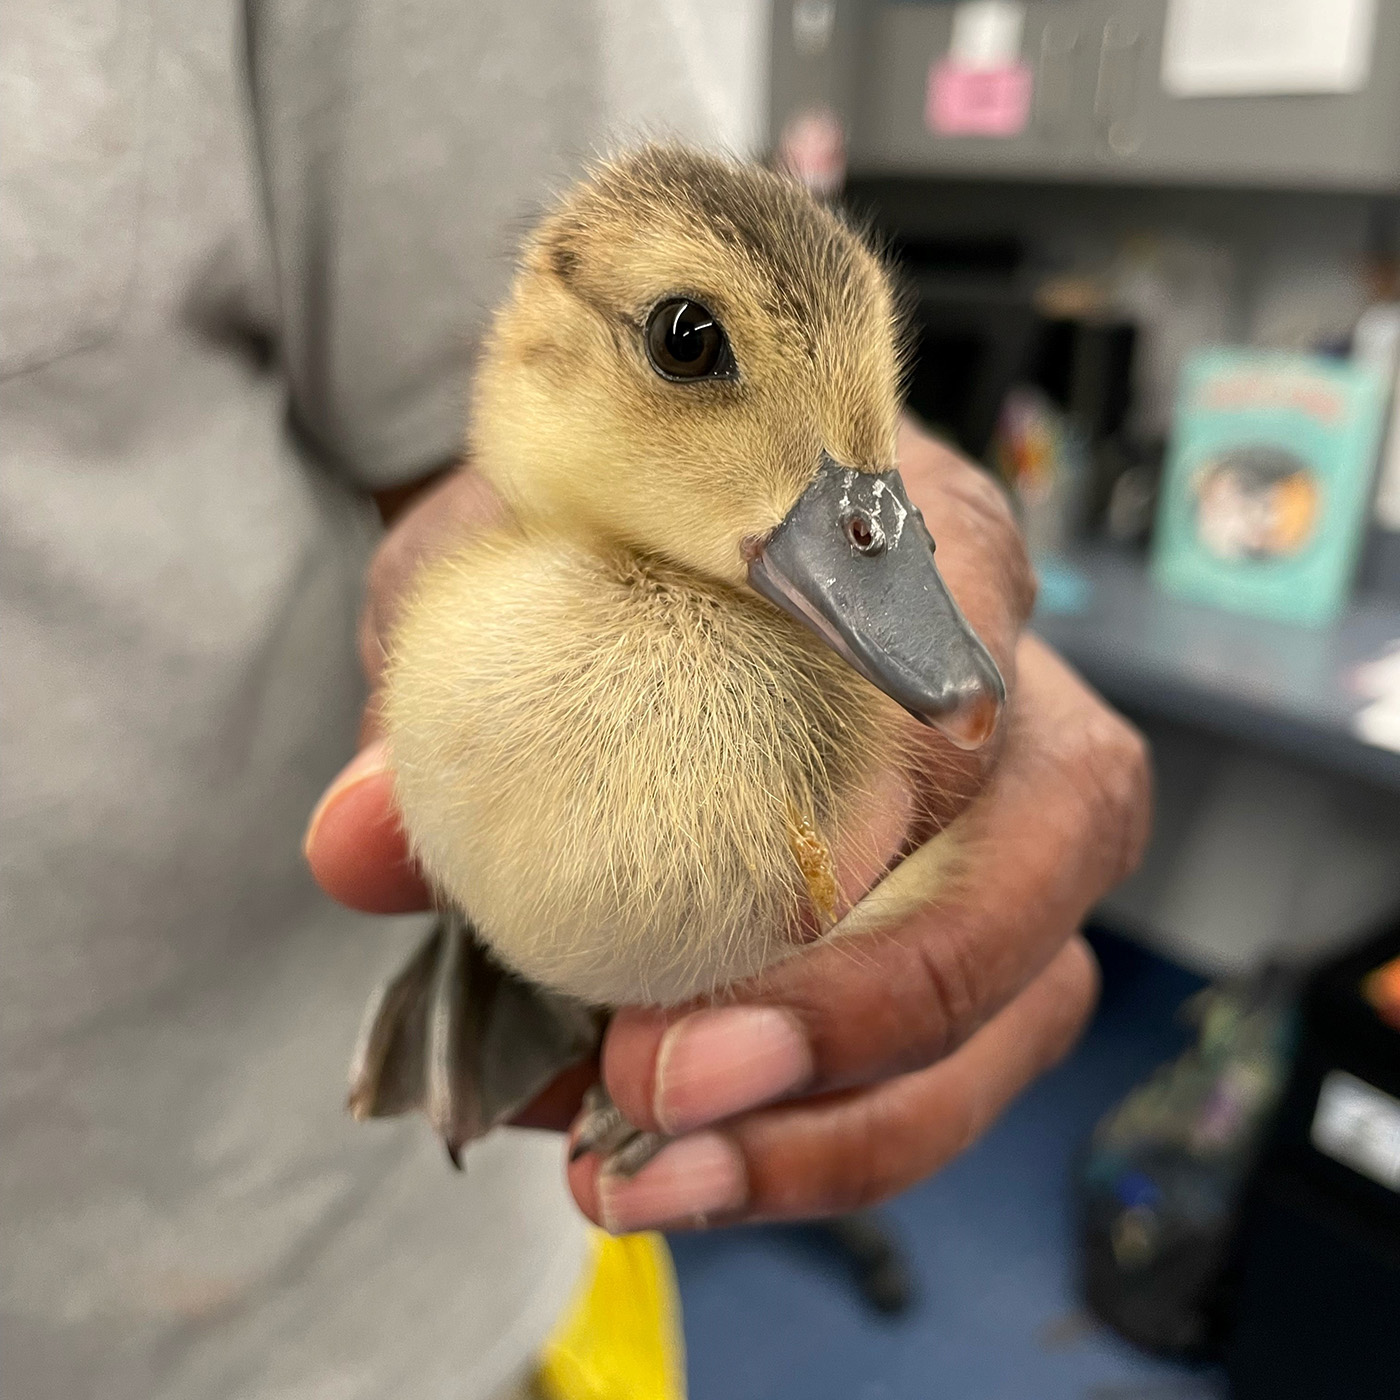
(628, 779)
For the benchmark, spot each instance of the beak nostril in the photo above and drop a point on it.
(864, 532)
(893, 619)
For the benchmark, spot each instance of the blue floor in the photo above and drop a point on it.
(769, 1314)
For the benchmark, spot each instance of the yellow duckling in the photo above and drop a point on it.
(638, 730)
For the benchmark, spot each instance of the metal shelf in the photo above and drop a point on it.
(1269, 684)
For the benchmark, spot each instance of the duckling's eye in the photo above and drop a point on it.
(684, 341)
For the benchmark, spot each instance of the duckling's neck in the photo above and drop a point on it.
(627, 555)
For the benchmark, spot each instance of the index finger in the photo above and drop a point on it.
(936, 949)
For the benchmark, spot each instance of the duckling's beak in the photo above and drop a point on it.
(853, 560)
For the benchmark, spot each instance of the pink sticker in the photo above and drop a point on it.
(978, 101)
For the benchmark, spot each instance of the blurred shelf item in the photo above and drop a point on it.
(1269, 684)
(1317, 1288)
(1078, 90)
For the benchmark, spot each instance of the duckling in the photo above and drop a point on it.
(639, 729)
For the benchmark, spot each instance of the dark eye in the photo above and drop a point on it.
(684, 341)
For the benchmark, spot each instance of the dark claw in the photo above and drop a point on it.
(635, 1153)
(880, 1268)
(601, 1125)
(603, 1129)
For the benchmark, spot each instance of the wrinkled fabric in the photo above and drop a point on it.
(245, 257)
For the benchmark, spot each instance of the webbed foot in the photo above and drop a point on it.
(463, 1039)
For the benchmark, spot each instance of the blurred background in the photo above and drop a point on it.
(1151, 250)
(1150, 253)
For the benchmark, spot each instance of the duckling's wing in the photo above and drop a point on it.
(462, 1038)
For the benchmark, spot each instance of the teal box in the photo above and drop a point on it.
(1268, 482)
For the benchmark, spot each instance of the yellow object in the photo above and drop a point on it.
(621, 1338)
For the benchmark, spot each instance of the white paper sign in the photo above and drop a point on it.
(1220, 48)
(987, 34)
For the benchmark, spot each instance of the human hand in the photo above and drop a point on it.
(848, 1074)
(854, 1070)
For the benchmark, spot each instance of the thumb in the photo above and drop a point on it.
(355, 842)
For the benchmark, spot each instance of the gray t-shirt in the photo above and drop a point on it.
(244, 258)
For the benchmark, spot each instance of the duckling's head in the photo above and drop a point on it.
(700, 363)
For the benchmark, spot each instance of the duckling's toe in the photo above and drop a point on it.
(603, 1129)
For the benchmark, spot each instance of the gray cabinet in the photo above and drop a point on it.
(1098, 110)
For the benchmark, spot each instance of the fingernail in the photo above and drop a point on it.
(371, 760)
(724, 1060)
(685, 1183)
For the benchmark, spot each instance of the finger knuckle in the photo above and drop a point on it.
(952, 986)
(991, 512)
(1111, 767)
(884, 1165)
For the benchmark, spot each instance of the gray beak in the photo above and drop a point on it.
(853, 560)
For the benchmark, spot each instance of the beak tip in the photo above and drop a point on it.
(973, 721)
